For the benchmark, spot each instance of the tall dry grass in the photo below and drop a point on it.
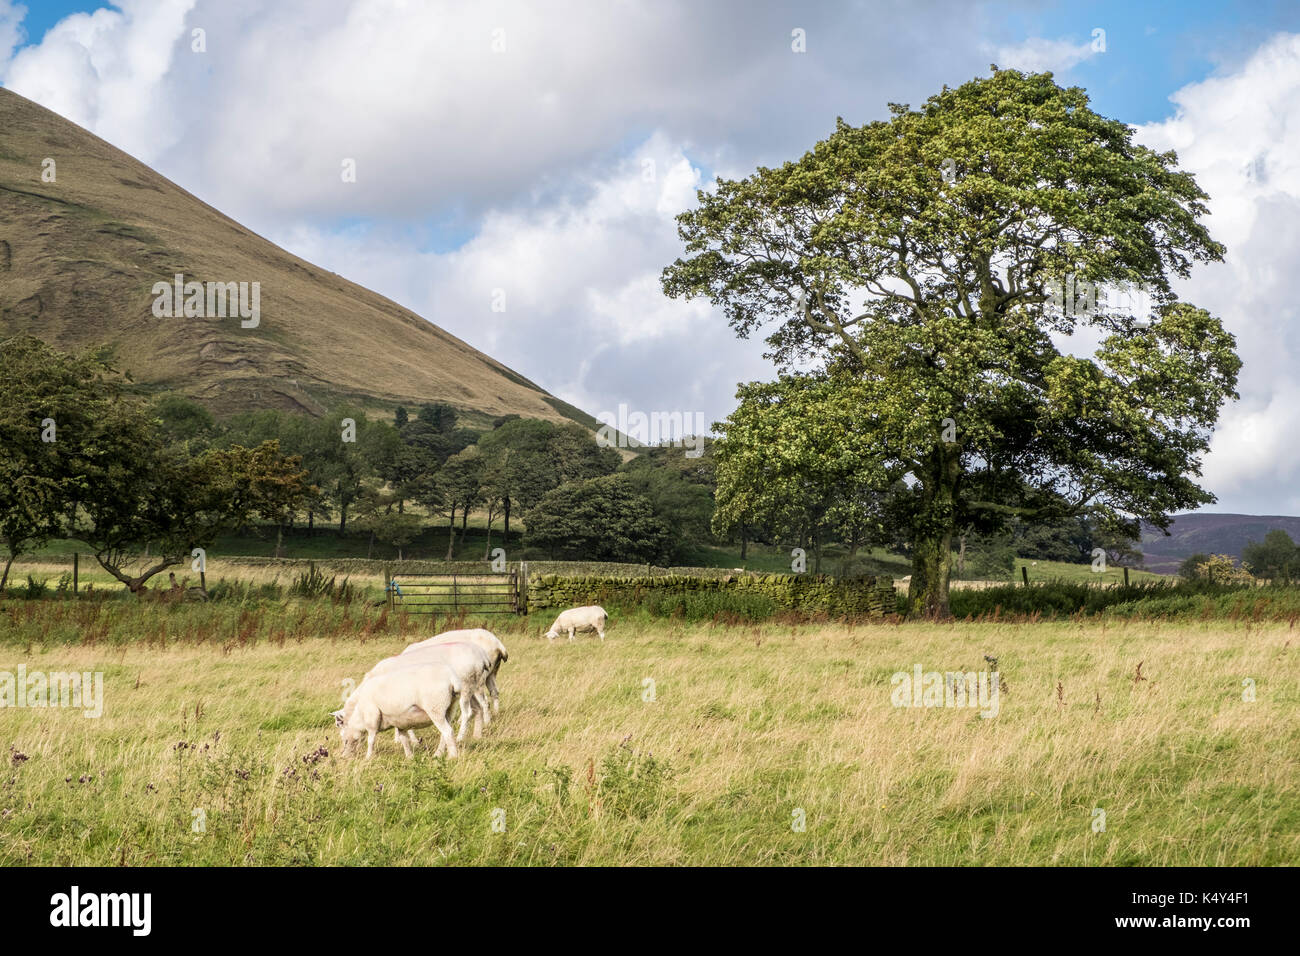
(667, 744)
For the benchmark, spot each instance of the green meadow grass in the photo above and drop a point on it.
(670, 743)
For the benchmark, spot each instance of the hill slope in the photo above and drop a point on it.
(79, 257)
(1209, 534)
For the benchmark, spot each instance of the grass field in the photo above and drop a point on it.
(667, 744)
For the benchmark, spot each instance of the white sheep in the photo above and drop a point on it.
(471, 665)
(480, 637)
(407, 697)
(579, 619)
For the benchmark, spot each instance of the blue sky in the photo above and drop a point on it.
(552, 168)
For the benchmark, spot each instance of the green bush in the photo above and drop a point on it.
(1182, 598)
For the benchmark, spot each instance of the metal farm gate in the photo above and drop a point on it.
(439, 593)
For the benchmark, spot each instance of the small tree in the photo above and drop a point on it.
(1190, 569)
(1275, 557)
(1222, 569)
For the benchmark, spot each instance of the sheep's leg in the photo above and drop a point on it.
(492, 689)
(466, 706)
(571, 630)
(479, 706)
(370, 744)
(448, 742)
(600, 629)
(481, 699)
(406, 745)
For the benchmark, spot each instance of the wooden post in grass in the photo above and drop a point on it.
(1024, 574)
(388, 586)
(76, 560)
(521, 593)
(1126, 576)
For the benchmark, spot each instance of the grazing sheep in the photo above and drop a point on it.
(481, 637)
(404, 698)
(579, 619)
(471, 665)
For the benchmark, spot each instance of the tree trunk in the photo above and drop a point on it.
(4, 578)
(744, 541)
(311, 523)
(451, 534)
(343, 518)
(279, 538)
(464, 526)
(487, 549)
(961, 554)
(927, 593)
(507, 529)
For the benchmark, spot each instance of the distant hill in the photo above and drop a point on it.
(79, 257)
(1210, 534)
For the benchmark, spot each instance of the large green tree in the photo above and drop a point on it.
(922, 259)
(52, 408)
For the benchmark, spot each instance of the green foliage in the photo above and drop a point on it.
(313, 584)
(632, 784)
(1191, 566)
(600, 519)
(1222, 569)
(55, 409)
(710, 606)
(1275, 558)
(683, 504)
(1232, 598)
(946, 388)
(184, 421)
(694, 597)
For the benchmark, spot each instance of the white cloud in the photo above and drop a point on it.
(522, 170)
(1037, 54)
(11, 31)
(1240, 134)
(525, 163)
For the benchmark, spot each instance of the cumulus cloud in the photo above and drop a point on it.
(11, 30)
(1038, 54)
(503, 146)
(1240, 134)
(497, 146)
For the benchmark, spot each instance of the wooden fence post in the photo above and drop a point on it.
(76, 560)
(1024, 574)
(1125, 577)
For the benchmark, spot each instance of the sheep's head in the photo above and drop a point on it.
(341, 723)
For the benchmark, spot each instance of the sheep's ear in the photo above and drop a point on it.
(338, 718)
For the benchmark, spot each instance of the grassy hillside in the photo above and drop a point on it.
(79, 257)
